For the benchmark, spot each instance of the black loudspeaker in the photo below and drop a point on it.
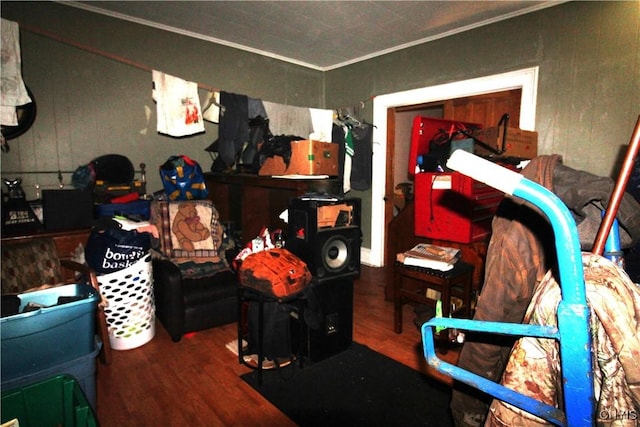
(328, 319)
(326, 235)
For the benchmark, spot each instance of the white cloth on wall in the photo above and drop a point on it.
(211, 109)
(308, 123)
(177, 105)
(322, 122)
(13, 91)
(288, 120)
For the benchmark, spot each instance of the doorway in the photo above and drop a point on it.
(384, 118)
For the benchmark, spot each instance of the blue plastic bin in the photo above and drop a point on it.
(141, 208)
(51, 335)
(82, 369)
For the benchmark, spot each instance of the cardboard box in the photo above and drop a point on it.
(520, 143)
(340, 215)
(307, 158)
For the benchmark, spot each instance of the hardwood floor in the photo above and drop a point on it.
(196, 382)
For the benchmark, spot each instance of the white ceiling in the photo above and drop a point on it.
(318, 34)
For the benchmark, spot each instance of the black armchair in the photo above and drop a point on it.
(194, 287)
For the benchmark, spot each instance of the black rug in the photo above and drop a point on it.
(357, 387)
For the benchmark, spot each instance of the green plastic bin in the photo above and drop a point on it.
(57, 401)
(82, 369)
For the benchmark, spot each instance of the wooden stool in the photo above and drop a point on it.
(412, 283)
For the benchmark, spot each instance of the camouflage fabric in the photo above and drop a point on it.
(534, 367)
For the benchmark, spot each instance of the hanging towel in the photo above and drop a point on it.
(14, 92)
(288, 120)
(211, 109)
(322, 122)
(348, 159)
(177, 105)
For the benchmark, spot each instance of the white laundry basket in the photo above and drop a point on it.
(131, 318)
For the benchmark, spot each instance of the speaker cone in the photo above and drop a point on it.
(335, 253)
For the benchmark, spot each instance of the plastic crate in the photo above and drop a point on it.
(131, 311)
(82, 369)
(50, 335)
(52, 402)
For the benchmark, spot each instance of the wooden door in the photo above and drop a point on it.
(485, 109)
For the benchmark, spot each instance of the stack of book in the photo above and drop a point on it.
(430, 256)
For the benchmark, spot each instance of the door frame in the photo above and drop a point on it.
(525, 79)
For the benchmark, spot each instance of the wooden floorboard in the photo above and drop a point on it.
(196, 382)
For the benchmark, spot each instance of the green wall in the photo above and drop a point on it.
(91, 77)
(588, 55)
(589, 76)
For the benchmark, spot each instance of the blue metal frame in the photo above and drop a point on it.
(572, 333)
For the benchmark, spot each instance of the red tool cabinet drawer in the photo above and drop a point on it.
(453, 207)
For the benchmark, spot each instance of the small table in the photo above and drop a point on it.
(294, 303)
(412, 284)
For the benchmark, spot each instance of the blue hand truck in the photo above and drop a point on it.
(573, 330)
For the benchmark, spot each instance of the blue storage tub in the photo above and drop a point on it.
(50, 335)
(82, 369)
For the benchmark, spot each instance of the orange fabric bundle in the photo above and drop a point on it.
(275, 272)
